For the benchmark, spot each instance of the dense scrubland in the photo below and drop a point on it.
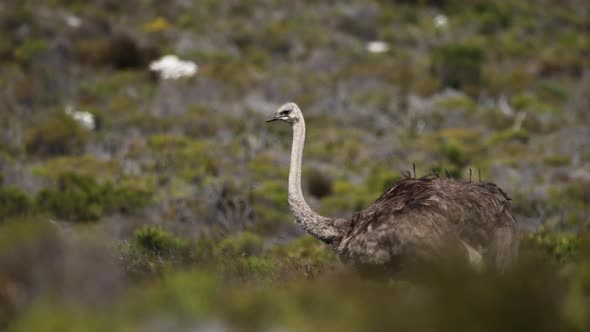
(171, 214)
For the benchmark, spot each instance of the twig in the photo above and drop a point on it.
(406, 174)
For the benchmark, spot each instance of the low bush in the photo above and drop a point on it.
(85, 165)
(153, 240)
(13, 202)
(305, 250)
(245, 244)
(81, 198)
(270, 205)
(561, 247)
(191, 160)
(492, 17)
(29, 49)
(503, 136)
(347, 198)
(57, 135)
(459, 66)
(557, 160)
(124, 199)
(77, 198)
(529, 102)
(454, 153)
(379, 180)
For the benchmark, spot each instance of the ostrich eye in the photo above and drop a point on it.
(285, 112)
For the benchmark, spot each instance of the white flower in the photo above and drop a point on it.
(73, 21)
(441, 21)
(377, 46)
(85, 119)
(171, 67)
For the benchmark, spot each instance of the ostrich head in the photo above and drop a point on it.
(289, 113)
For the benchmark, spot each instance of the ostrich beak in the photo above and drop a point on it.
(273, 118)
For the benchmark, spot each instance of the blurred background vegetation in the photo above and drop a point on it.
(170, 212)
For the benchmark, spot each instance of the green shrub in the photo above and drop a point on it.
(57, 135)
(29, 49)
(567, 203)
(15, 14)
(461, 102)
(124, 199)
(202, 121)
(76, 197)
(236, 72)
(577, 191)
(492, 17)
(454, 152)
(500, 81)
(347, 198)
(81, 198)
(276, 37)
(153, 240)
(459, 65)
(165, 142)
(268, 218)
(245, 244)
(204, 248)
(274, 192)
(85, 165)
(557, 160)
(507, 135)
(561, 247)
(553, 90)
(249, 267)
(497, 120)
(13, 202)
(262, 167)
(306, 249)
(380, 180)
(448, 171)
(529, 102)
(188, 159)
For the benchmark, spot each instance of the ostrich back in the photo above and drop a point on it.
(423, 218)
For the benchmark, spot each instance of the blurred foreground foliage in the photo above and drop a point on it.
(234, 283)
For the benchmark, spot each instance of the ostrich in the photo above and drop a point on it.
(416, 219)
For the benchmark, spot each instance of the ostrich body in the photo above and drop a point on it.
(413, 220)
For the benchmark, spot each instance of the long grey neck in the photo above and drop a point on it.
(320, 227)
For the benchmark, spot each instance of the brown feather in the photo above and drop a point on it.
(416, 218)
